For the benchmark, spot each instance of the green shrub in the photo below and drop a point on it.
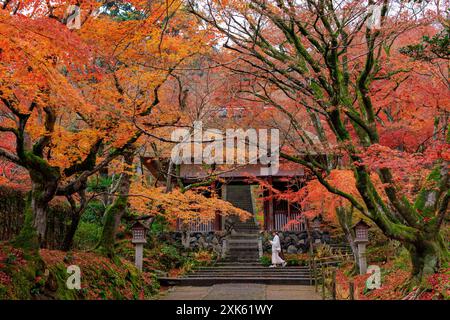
(265, 261)
(293, 261)
(169, 257)
(403, 260)
(87, 235)
(94, 212)
(160, 225)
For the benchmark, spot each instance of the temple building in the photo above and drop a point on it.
(241, 186)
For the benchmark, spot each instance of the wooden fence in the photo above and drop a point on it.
(196, 225)
(324, 273)
(281, 220)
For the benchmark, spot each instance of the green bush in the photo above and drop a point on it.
(94, 212)
(170, 258)
(265, 261)
(87, 235)
(160, 225)
(402, 260)
(293, 261)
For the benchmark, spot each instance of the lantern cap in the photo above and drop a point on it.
(138, 224)
(361, 223)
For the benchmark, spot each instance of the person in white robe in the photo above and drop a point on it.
(276, 249)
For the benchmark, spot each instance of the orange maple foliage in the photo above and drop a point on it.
(75, 100)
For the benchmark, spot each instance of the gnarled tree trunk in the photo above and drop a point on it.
(115, 211)
(345, 219)
(33, 232)
(427, 256)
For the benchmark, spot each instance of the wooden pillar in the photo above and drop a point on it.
(224, 197)
(217, 222)
(270, 213)
(265, 210)
(289, 211)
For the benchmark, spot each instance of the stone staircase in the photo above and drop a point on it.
(242, 243)
(241, 263)
(240, 272)
(240, 196)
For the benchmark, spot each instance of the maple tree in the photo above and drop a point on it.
(348, 84)
(72, 100)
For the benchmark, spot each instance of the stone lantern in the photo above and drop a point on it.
(361, 239)
(316, 223)
(139, 232)
(316, 232)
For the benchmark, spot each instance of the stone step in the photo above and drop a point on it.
(248, 266)
(243, 253)
(243, 249)
(240, 276)
(244, 260)
(246, 229)
(250, 274)
(213, 280)
(251, 267)
(242, 235)
(264, 269)
(240, 196)
(244, 240)
(242, 257)
(243, 245)
(254, 233)
(226, 264)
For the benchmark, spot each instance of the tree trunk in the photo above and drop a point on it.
(77, 212)
(427, 257)
(28, 239)
(345, 219)
(115, 212)
(39, 206)
(35, 226)
(68, 239)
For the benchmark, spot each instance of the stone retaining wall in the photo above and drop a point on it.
(291, 241)
(212, 240)
(295, 241)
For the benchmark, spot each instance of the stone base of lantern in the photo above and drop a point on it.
(139, 253)
(362, 258)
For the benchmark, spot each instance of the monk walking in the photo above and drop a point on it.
(276, 249)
